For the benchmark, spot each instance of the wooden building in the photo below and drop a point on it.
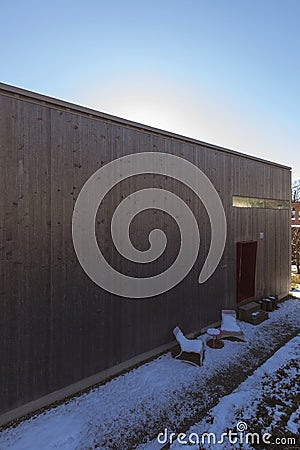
(112, 233)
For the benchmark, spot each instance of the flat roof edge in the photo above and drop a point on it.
(7, 89)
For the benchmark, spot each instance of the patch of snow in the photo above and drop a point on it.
(295, 293)
(293, 424)
(48, 431)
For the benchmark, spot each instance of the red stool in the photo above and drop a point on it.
(214, 343)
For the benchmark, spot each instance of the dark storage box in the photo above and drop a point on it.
(257, 317)
(269, 304)
(274, 299)
(246, 310)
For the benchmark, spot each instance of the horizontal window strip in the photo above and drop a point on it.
(265, 203)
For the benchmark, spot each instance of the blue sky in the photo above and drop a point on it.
(223, 71)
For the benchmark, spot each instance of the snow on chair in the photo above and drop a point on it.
(229, 326)
(192, 351)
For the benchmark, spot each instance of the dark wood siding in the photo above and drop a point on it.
(56, 325)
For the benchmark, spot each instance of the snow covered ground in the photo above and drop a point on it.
(295, 293)
(267, 403)
(166, 393)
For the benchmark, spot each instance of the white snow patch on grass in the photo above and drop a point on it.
(293, 424)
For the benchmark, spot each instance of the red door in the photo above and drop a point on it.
(246, 266)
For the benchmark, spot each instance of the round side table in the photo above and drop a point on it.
(214, 343)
